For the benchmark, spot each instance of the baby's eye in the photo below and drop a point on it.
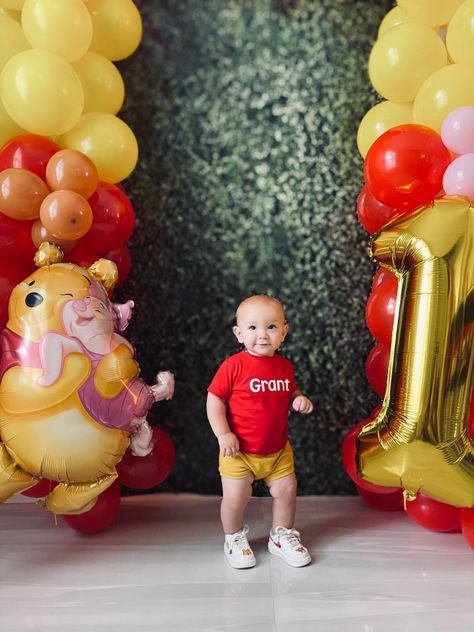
(252, 327)
(271, 326)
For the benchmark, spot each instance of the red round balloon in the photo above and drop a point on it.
(41, 489)
(10, 275)
(101, 515)
(121, 257)
(382, 275)
(375, 412)
(376, 368)
(382, 502)
(349, 462)
(373, 214)
(433, 514)
(113, 218)
(467, 525)
(28, 151)
(404, 167)
(145, 472)
(16, 244)
(380, 311)
(81, 255)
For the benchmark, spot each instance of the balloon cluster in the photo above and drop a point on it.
(418, 145)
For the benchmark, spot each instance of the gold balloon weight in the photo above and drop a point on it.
(420, 439)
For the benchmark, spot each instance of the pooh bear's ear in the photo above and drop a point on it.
(48, 254)
(105, 272)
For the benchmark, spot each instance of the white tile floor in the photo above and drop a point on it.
(161, 567)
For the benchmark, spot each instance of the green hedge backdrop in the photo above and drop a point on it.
(246, 113)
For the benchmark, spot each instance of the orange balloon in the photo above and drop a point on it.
(73, 170)
(39, 234)
(66, 214)
(21, 193)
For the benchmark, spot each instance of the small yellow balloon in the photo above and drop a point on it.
(41, 92)
(107, 141)
(433, 12)
(379, 119)
(117, 27)
(393, 18)
(12, 40)
(102, 83)
(447, 89)
(460, 35)
(403, 58)
(63, 27)
(13, 5)
(8, 128)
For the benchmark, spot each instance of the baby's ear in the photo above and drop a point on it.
(285, 330)
(237, 333)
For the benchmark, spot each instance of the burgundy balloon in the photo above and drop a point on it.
(382, 502)
(100, 516)
(41, 489)
(373, 214)
(145, 472)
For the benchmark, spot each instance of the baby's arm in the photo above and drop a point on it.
(216, 413)
(300, 403)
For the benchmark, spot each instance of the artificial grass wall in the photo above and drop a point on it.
(246, 115)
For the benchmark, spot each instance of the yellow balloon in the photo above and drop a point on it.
(12, 40)
(403, 58)
(433, 12)
(102, 83)
(63, 27)
(14, 5)
(447, 89)
(16, 15)
(379, 119)
(393, 18)
(117, 27)
(8, 128)
(107, 141)
(41, 92)
(460, 35)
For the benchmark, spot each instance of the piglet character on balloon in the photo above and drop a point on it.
(71, 401)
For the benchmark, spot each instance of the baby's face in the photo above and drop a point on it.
(261, 326)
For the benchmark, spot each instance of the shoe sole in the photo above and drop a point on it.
(294, 563)
(251, 565)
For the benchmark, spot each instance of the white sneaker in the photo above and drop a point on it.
(286, 543)
(237, 549)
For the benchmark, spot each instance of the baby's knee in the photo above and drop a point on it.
(284, 487)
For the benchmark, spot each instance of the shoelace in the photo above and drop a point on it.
(240, 539)
(291, 536)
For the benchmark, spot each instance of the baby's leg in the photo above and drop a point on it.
(236, 493)
(283, 492)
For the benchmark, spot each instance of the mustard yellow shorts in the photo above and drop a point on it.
(268, 467)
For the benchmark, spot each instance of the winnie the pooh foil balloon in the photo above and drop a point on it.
(71, 401)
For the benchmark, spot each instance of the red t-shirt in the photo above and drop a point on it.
(258, 392)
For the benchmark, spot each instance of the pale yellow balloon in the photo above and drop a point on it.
(8, 128)
(16, 15)
(63, 27)
(12, 40)
(102, 83)
(41, 92)
(447, 89)
(393, 18)
(379, 119)
(117, 27)
(14, 5)
(107, 141)
(403, 58)
(433, 12)
(460, 34)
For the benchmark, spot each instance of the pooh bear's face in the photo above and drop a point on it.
(36, 303)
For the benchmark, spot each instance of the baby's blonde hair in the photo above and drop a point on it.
(264, 298)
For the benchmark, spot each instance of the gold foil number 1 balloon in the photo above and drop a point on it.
(420, 439)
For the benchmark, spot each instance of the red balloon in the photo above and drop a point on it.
(350, 465)
(101, 515)
(376, 368)
(16, 244)
(380, 311)
(375, 412)
(41, 489)
(382, 275)
(28, 151)
(467, 525)
(81, 255)
(144, 472)
(404, 167)
(372, 213)
(121, 257)
(114, 218)
(433, 514)
(10, 275)
(382, 502)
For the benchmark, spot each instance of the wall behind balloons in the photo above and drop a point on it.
(246, 114)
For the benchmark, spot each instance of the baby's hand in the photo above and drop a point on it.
(302, 405)
(229, 444)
